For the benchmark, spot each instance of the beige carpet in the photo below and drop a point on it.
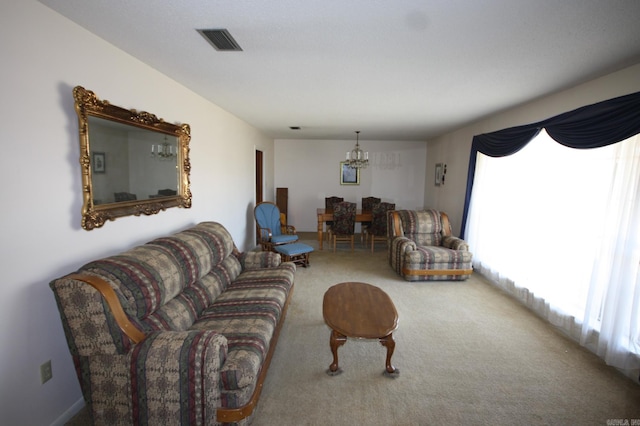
(467, 354)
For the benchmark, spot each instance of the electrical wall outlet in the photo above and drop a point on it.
(46, 373)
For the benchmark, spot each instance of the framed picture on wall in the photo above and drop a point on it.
(439, 174)
(99, 163)
(349, 176)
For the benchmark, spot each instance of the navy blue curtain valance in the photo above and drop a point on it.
(591, 126)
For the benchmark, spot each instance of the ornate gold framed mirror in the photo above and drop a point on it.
(132, 162)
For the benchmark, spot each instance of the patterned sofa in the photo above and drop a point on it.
(179, 330)
(421, 247)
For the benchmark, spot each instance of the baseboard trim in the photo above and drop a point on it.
(68, 415)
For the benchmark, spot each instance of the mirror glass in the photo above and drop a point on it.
(132, 162)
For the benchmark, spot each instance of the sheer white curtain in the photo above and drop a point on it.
(559, 229)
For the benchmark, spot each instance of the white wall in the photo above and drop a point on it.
(311, 171)
(454, 148)
(44, 56)
(310, 168)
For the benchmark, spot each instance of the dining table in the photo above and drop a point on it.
(326, 215)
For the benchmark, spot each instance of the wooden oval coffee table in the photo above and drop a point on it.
(360, 310)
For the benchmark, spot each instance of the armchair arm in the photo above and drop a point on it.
(288, 229)
(265, 234)
(403, 244)
(400, 246)
(169, 378)
(455, 243)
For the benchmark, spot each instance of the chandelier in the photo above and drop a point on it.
(163, 151)
(357, 159)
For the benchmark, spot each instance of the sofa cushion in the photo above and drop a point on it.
(423, 227)
(217, 238)
(260, 259)
(145, 277)
(182, 311)
(431, 257)
(247, 314)
(151, 279)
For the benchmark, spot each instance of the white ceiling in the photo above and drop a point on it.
(396, 70)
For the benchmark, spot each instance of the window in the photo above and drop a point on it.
(559, 228)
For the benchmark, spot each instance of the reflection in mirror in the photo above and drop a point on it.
(132, 162)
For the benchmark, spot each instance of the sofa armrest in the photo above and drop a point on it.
(259, 259)
(455, 243)
(168, 378)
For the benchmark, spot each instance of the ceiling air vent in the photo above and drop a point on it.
(221, 39)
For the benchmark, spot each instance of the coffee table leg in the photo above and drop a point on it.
(335, 342)
(390, 344)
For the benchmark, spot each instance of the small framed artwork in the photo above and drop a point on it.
(348, 175)
(439, 174)
(98, 162)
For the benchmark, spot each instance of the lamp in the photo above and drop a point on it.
(357, 159)
(164, 151)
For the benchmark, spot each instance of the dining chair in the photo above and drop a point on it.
(367, 207)
(167, 192)
(328, 205)
(344, 223)
(124, 196)
(378, 229)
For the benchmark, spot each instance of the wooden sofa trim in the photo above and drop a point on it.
(230, 415)
(112, 300)
(397, 225)
(446, 225)
(406, 271)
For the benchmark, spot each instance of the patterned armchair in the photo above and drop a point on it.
(423, 249)
(344, 223)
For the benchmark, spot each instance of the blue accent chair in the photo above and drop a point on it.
(271, 231)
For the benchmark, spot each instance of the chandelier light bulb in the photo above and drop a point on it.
(164, 151)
